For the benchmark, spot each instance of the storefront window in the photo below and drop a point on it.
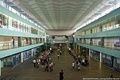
(14, 24)
(3, 21)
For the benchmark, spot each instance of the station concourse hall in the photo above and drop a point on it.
(59, 39)
(26, 70)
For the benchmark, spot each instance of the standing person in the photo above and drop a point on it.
(46, 68)
(60, 52)
(34, 62)
(13, 42)
(73, 65)
(61, 77)
(58, 55)
(50, 67)
(78, 65)
(111, 76)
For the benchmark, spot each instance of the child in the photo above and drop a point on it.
(46, 68)
(73, 65)
(58, 56)
(78, 68)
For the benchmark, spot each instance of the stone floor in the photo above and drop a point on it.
(26, 71)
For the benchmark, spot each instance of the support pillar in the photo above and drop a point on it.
(30, 40)
(21, 57)
(45, 38)
(19, 41)
(79, 49)
(89, 53)
(32, 52)
(100, 57)
(42, 40)
(36, 40)
(0, 68)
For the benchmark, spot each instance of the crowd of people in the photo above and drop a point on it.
(44, 60)
(79, 60)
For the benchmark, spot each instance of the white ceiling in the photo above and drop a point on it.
(60, 15)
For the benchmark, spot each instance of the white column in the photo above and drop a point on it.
(100, 57)
(0, 67)
(21, 57)
(31, 52)
(89, 53)
(10, 24)
(45, 37)
(42, 39)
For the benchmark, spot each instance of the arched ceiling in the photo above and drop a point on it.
(59, 15)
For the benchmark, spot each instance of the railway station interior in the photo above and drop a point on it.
(41, 38)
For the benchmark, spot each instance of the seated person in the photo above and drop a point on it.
(83, 61)
(86, 62)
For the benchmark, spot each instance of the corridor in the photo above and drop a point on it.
(26, 71)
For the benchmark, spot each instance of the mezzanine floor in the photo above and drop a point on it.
(26, 71)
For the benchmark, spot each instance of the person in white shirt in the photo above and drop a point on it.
(73, 65)
(34, 62)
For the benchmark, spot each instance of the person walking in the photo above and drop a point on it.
(73, 65)
(61, 77)
(13, 42)
(58, 55)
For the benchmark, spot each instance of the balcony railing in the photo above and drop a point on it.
(8, 45)
(109, 45)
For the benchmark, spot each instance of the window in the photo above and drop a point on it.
(14, 23)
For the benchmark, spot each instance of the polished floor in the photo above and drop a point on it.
(26, 71)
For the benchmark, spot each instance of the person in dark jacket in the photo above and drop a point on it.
(61, 77)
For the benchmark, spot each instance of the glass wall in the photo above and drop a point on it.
(95, 54)
(7, 62)
(26, 54)
(107, 59)
(16, 59)
(116, 64)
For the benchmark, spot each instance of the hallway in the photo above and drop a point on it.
(26, 71)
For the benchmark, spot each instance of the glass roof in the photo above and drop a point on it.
(101, 10)
(12, 5)
(107, 8)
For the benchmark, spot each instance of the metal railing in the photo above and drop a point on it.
(9, 45)
(109, 45)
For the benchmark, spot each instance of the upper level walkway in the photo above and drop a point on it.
(26, 70)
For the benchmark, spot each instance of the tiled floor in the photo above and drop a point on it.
(26, 71)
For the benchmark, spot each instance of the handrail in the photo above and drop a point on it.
(109, 45)
(9, 45)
